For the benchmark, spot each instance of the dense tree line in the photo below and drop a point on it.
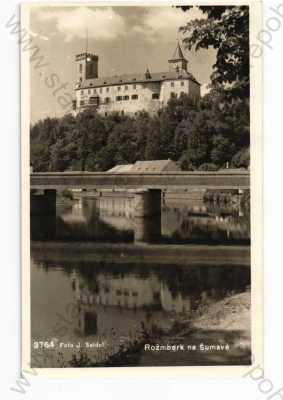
(206, 135)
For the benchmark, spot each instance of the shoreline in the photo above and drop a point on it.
(141, 253)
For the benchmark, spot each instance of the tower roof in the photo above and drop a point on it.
(147, 74)
(178, 53)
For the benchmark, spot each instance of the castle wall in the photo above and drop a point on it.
(148, 92)
(132, 98)
(108, 101)
(194, 90)
(167, 88)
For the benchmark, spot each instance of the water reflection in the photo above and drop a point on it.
(89, 219)
(122, 301)
(121, 294)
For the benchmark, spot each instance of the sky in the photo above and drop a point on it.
(126, 39)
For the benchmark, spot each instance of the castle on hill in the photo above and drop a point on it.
(134, 92)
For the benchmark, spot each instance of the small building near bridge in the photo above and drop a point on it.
(154, 166)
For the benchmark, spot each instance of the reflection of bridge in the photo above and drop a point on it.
(146, 189)
(110, 253)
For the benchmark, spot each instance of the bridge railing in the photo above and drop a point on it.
(226, 179)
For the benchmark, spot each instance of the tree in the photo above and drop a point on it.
(222, 150)
(42, 136)
(241, 159)
(177, 110)
(152, 148)
(199, 139)
(91, 136)
(143, 125)
(105, 158)
(226, 29)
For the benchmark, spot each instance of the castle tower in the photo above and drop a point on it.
(178, 62)
(87, 66)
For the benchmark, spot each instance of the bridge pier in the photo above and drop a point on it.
(147, 215)
(43, 202)
(147, 230)
(147, 203)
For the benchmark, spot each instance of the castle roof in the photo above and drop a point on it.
(136, 78)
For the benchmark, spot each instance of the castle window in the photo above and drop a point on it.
(172, 84)
(135, 96)
(82, 103)
(94, 100)
(81, 67)
(156, 296)
(82, 92)
(107, 100)
(119, 98)
(126, 87)
(182, 83)
(126, 98)
(100, 90)
(119, 88)
(89, 91)
(155, 96)
(107, 89)
(90, 69)
(95, 91)
(134, 87)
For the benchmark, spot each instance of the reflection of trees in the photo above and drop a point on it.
(220, 217)
(42, 227)
(215, 281)
(206, 228)
(95, 229)
(89, 227)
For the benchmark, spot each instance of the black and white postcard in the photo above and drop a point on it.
(141, 187)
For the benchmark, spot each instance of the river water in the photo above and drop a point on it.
(98, 295)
